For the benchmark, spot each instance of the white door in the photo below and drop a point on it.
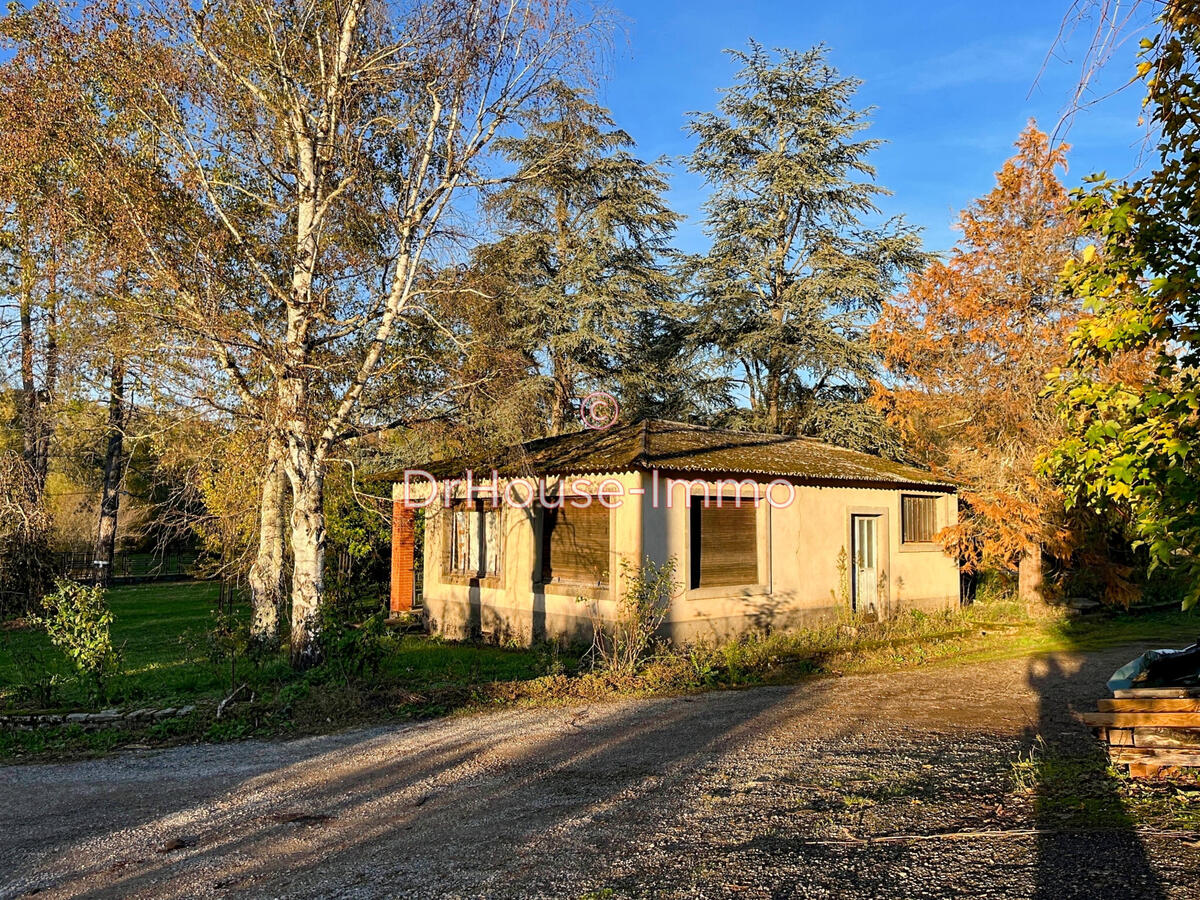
(865, 533)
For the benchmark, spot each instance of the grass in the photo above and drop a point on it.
(162, 632)
(159, 631)
(1079, 790)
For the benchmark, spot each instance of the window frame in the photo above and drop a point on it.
(491, 517)
(935, 502)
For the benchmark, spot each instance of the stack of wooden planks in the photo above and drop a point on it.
(1150, 729)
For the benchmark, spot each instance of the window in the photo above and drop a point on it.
(473, 539)
(918, 516)
(575, 543)
(724, 544)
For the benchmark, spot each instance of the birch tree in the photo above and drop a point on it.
(307, 158)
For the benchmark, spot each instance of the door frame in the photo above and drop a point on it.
(883, 562)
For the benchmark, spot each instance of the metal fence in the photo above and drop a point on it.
(81, 565)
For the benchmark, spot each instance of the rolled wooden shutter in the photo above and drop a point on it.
(727, 545)
(575, 544)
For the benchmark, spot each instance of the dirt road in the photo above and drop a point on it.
(757, 793)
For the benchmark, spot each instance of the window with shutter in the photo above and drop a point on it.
(575, 544)
(472, 539)
(918, 516)
(724, 545)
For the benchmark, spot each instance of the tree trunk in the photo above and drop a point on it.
(110, 490)
(267, 585)
(772, 403)
(50, 380)
(35, 438)
(307, 478)
(30, 418)
(562, 402)
(1029, 580)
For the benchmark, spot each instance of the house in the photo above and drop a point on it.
(766, 531)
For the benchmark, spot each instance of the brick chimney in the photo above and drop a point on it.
(403, 540)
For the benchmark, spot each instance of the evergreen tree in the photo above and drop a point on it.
(795, 272)
(585, 284)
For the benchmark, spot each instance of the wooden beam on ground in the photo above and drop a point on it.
(1165, 738)
(1150, 693)
(1155, 757)
(1149, 705)
(1142, 770)
(1118, 737)
(1133, 720)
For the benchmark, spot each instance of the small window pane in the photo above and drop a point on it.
(473, 540)
(919, 518)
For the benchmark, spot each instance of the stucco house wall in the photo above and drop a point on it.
(804, 548)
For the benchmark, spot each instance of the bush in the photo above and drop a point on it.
(353, 649)
(624, 645)
(79, 622)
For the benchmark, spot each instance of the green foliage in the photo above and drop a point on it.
(1133, 432)
(79, 623)
(359, 537)
(795, 274)
(354, 642)
(623, 645)
(579, 274)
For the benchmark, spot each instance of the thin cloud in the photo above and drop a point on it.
(1005, 60)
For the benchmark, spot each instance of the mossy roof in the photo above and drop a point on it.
(678, 447)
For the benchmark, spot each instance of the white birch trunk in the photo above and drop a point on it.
(306, 474)
(267, 585)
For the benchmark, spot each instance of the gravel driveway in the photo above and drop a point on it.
(755, 793)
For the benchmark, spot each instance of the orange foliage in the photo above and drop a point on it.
(968, 346)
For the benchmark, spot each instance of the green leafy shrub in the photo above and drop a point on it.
(624, 644)
(353, 649)
(79, 623)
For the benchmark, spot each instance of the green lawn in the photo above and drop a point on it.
(161, 632)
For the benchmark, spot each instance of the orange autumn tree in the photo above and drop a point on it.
(968, 346)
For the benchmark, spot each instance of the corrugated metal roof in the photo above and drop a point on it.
(675, 446)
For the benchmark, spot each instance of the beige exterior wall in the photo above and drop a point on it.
(804, 550)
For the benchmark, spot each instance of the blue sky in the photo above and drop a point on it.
(953, 82)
